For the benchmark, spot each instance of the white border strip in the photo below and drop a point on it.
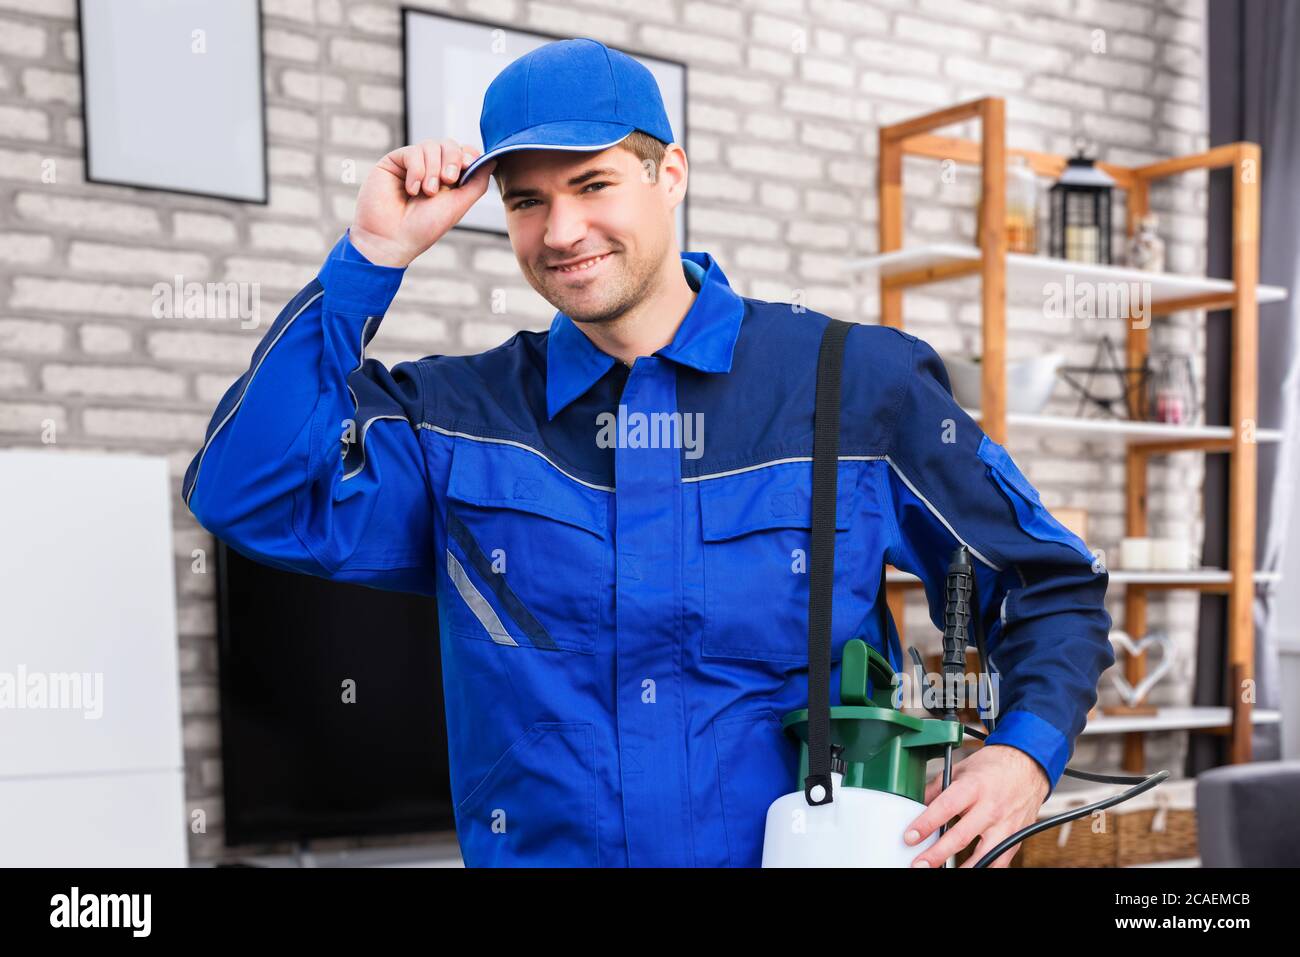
(519, 445)
(935, 512)
(477, 603)
(763, 465)
(247, 385)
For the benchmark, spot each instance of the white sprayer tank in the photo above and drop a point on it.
(859, 828)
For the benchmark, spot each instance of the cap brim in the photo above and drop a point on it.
(578, 135)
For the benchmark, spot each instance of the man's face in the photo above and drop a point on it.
(564, 209)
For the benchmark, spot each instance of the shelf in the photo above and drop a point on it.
(1185, 718)
(1199, 578)
(1122, 429)
(1028, 274)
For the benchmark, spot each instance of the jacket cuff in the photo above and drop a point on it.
(354, 285)
(1037, 738)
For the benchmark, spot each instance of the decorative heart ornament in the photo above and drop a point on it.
(1133, 696)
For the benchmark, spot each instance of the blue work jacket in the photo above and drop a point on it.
(619, 554)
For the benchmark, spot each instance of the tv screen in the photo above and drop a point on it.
(332, 717)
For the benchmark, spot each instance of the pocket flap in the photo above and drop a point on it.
(775, 496)
(499, 475)
(1031, 514)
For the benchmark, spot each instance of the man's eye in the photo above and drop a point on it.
(589, 185)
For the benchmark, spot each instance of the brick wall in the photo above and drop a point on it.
(785, 99)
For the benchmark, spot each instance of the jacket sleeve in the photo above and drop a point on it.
(1041, 592)
(312, 461)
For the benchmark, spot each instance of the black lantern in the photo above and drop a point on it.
(1080, 213)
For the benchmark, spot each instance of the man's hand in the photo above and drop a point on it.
(410, 201)
(996, 791)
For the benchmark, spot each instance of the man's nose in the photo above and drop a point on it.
(566, 224)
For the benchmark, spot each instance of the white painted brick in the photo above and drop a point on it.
(114, 381)
(775, 161)
(817, 102)
(890, 55)
(770, 61)
(724, 186)
(104, 340)
(770, 126)
(498, 11)
(145, 425)
(25, 249)
(294, 201)
(379, 99)
(20, 123)
(1067, 91)
(30, 418)
(909, 89)
(778, 196)
(30, 335)
(313, 87)
(690, 46)
(707, 220)
(211, 348)
(290, 45)
(815, 69)
(985, 74)
(762, 259)
(440, 291)
(1132, 104)
(365, 56)
(284, 161)
(1111, 72)
(804, 234)
(51, 86)
(68, 295)
(282, 121)
(856, 17)
(713, 16)
(931, 33)
(157, 264)
(370, 134)
(283, 236)
(21, 39)
(63, 9)
(13, 375)
(731, 87)
(203, 228)
(823, 137)
(373, 18)
(303, 11)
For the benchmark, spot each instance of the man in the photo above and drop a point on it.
(614, 515)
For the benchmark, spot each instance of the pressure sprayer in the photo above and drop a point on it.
(862, 763)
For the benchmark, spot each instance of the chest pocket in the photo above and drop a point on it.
(527, 550)
(757, 531)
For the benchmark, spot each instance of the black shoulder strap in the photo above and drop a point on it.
(821, 582)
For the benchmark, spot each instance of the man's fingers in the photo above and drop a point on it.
(953, 840)
(432, 150)
(944, 807)
(452, 158)
(411, 160)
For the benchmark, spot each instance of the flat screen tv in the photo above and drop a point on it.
(332, 716)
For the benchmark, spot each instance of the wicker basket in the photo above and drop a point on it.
(1159, 825)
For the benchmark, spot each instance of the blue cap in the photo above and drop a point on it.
(569, 95)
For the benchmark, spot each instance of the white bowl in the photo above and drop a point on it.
(1029, 382)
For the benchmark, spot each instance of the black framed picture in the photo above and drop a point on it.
(173, 96)
(449, 62)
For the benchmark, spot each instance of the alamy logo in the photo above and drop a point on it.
(53, 691)
(102, 910)
(651, 430)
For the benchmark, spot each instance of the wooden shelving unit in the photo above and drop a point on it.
(1004, 277)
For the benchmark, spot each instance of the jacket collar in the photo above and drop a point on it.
(704, 340)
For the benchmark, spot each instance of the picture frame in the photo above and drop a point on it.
(173, 96)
